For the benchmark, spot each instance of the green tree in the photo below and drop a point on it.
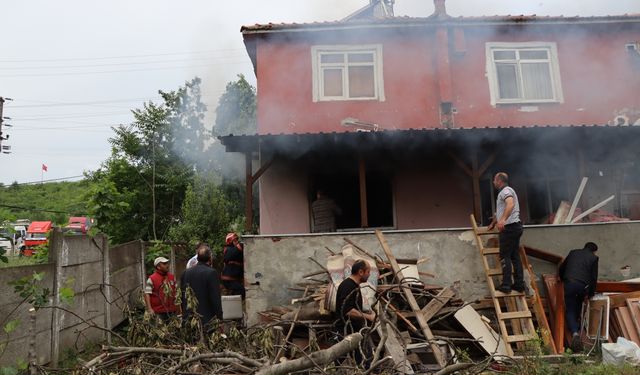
(207, 214)
(144, 181)
(236, 111)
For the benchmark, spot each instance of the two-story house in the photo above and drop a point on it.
(403, 121)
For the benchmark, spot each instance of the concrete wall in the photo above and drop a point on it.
(274, 263)
(103, 279)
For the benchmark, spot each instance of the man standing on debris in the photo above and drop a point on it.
(233, 270)
(160, 291)
(324, 210)
(203, 280)
(579, 273)
(351, 318)
(507, 219)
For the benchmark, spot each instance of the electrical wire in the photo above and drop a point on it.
(122, 56)
(49, 180)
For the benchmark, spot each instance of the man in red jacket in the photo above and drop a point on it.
(160, 291)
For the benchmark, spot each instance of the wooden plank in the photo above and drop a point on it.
(619, 300)
(597, 206)
(521, 338)
(598, 312)
(438, 302)
(617, 287)
(490, 250)
(634, 310)
(561, 213)
(538, 309)
(620, 321)
(576, 199)
(393, 347)
(628, 323)
(543, 255)
(515, 315)
(555, 298)
(411, 299)
(488, 339)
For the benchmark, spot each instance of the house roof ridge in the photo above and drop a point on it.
(435, 19)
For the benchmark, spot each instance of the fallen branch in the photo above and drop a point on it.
(319, 358)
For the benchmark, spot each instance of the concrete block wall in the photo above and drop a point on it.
(274, 263)
(11, 308)
(104, 280)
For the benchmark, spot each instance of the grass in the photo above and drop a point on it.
(16, 261)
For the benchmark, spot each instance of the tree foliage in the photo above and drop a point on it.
(140, 189)
(236, 112)
(34, 202)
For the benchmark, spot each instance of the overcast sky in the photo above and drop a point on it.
(76, 67)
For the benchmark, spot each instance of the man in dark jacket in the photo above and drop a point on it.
(204, 282)
(579, 273)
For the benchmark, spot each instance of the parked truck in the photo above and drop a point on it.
(78, 225)
(12, 237)
(37, 234)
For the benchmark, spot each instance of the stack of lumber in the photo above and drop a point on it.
(420, 324)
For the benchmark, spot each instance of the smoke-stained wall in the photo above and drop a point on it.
(599, 77)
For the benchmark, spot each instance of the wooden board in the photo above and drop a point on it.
(394, 349)
(617, 287)
(411, 299)
(561, 214)
(538, 309)
(488, 339)
(619, 300)
(634, 310)
(431, 308)
(598, 311)
(555, 298)
(631, 334)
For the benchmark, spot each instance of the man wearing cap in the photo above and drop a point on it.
(160, 291)
(233, 270)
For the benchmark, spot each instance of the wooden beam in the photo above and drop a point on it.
(411, 299)
(538, 309)
(543, 255)
(438, 302)
(487, 163)
(597, 206)
(260, 171)
(616, 287)
(461, 164)
(475, 177)
(248, 201)
(619, 300)
(362, 177)
(576, 199)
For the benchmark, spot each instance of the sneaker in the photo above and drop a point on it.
(504, 289)
(576, 344)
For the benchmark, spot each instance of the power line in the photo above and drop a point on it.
(34, 209)
(38, 182)
(121, 57)
(234, 63)
(121, 63)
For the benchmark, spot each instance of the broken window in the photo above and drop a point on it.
(347, 73)
(523, 73)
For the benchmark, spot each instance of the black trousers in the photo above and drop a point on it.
(510, 255)
(574, 294)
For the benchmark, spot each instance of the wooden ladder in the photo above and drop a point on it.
(516, 325)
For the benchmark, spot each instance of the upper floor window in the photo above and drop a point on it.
(523, 73)
(344, 72)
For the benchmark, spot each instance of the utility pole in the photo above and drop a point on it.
(3, 149)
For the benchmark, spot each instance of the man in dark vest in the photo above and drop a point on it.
(579, 274)
(204, 282)
(233, 270)
(160, 291)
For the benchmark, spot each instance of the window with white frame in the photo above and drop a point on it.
(523, 73)
(345, 72)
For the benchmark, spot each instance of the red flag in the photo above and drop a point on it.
(44, 167)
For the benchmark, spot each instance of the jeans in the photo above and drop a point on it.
(574, 293)
(510, 255)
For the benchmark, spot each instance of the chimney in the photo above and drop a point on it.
(440, 9)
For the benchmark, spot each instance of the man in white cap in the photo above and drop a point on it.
(160, 291)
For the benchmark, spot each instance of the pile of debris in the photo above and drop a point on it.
(421, 326)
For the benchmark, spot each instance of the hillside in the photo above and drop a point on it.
(55, 201)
